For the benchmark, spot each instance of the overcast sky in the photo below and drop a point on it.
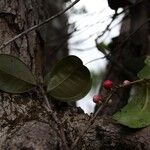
(82, 42)
(90, 25)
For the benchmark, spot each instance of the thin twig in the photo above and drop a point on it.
(114, 17)
(114, 61)
(50, 112)
(100, 109)
(128, 73)
(131, 83)
(91, 121)
(38, 25)
(93, 60)
(107, 28)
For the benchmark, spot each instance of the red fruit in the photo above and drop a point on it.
(97, 98)
(126, 82)
(108, 84)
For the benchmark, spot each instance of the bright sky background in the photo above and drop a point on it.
(90, 25)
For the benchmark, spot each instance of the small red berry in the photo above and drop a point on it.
(126, 82)
(108, 84)
(97, 98)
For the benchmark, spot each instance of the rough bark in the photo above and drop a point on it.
(103, 134)
(25, 125)
(39, 50)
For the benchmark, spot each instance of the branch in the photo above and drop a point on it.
(91, 121)
(38, 25)
(101, 108)
(107, 28)
(118, 65)
(55, 118)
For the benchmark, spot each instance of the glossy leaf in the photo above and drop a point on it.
(144, 73)
(15, 77)
(136, 114)
(147, 60)
(69, 80)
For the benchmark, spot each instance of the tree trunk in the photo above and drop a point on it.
(130, 49)
(39, 50)
(25, 125)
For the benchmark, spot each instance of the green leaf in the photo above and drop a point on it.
(69, 80)
(136, 114)
(102, 47)
(147, 60)
(15, 77)
(144, 73)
